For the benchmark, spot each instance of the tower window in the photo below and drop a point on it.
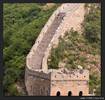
(80, 93)
(69, 93)
(58, 93)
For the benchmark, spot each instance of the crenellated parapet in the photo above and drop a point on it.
(66, 74)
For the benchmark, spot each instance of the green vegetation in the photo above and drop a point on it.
(57, 55)
(95, 83)
(82, 49)
(22, 24)
(92, 24)
(75, 49)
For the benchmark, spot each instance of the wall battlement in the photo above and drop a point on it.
(70, 75)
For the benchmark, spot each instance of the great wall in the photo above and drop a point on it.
(41, 81)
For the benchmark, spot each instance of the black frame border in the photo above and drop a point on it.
(53, 1)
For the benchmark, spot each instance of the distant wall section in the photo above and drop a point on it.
(73, 19)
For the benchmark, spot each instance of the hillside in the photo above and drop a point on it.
(22, 25)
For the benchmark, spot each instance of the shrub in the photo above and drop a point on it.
(92, 25)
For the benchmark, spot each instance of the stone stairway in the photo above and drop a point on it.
(39, 53)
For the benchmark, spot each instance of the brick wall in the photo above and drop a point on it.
(74, 81)
(37, 83)
(64, 86)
